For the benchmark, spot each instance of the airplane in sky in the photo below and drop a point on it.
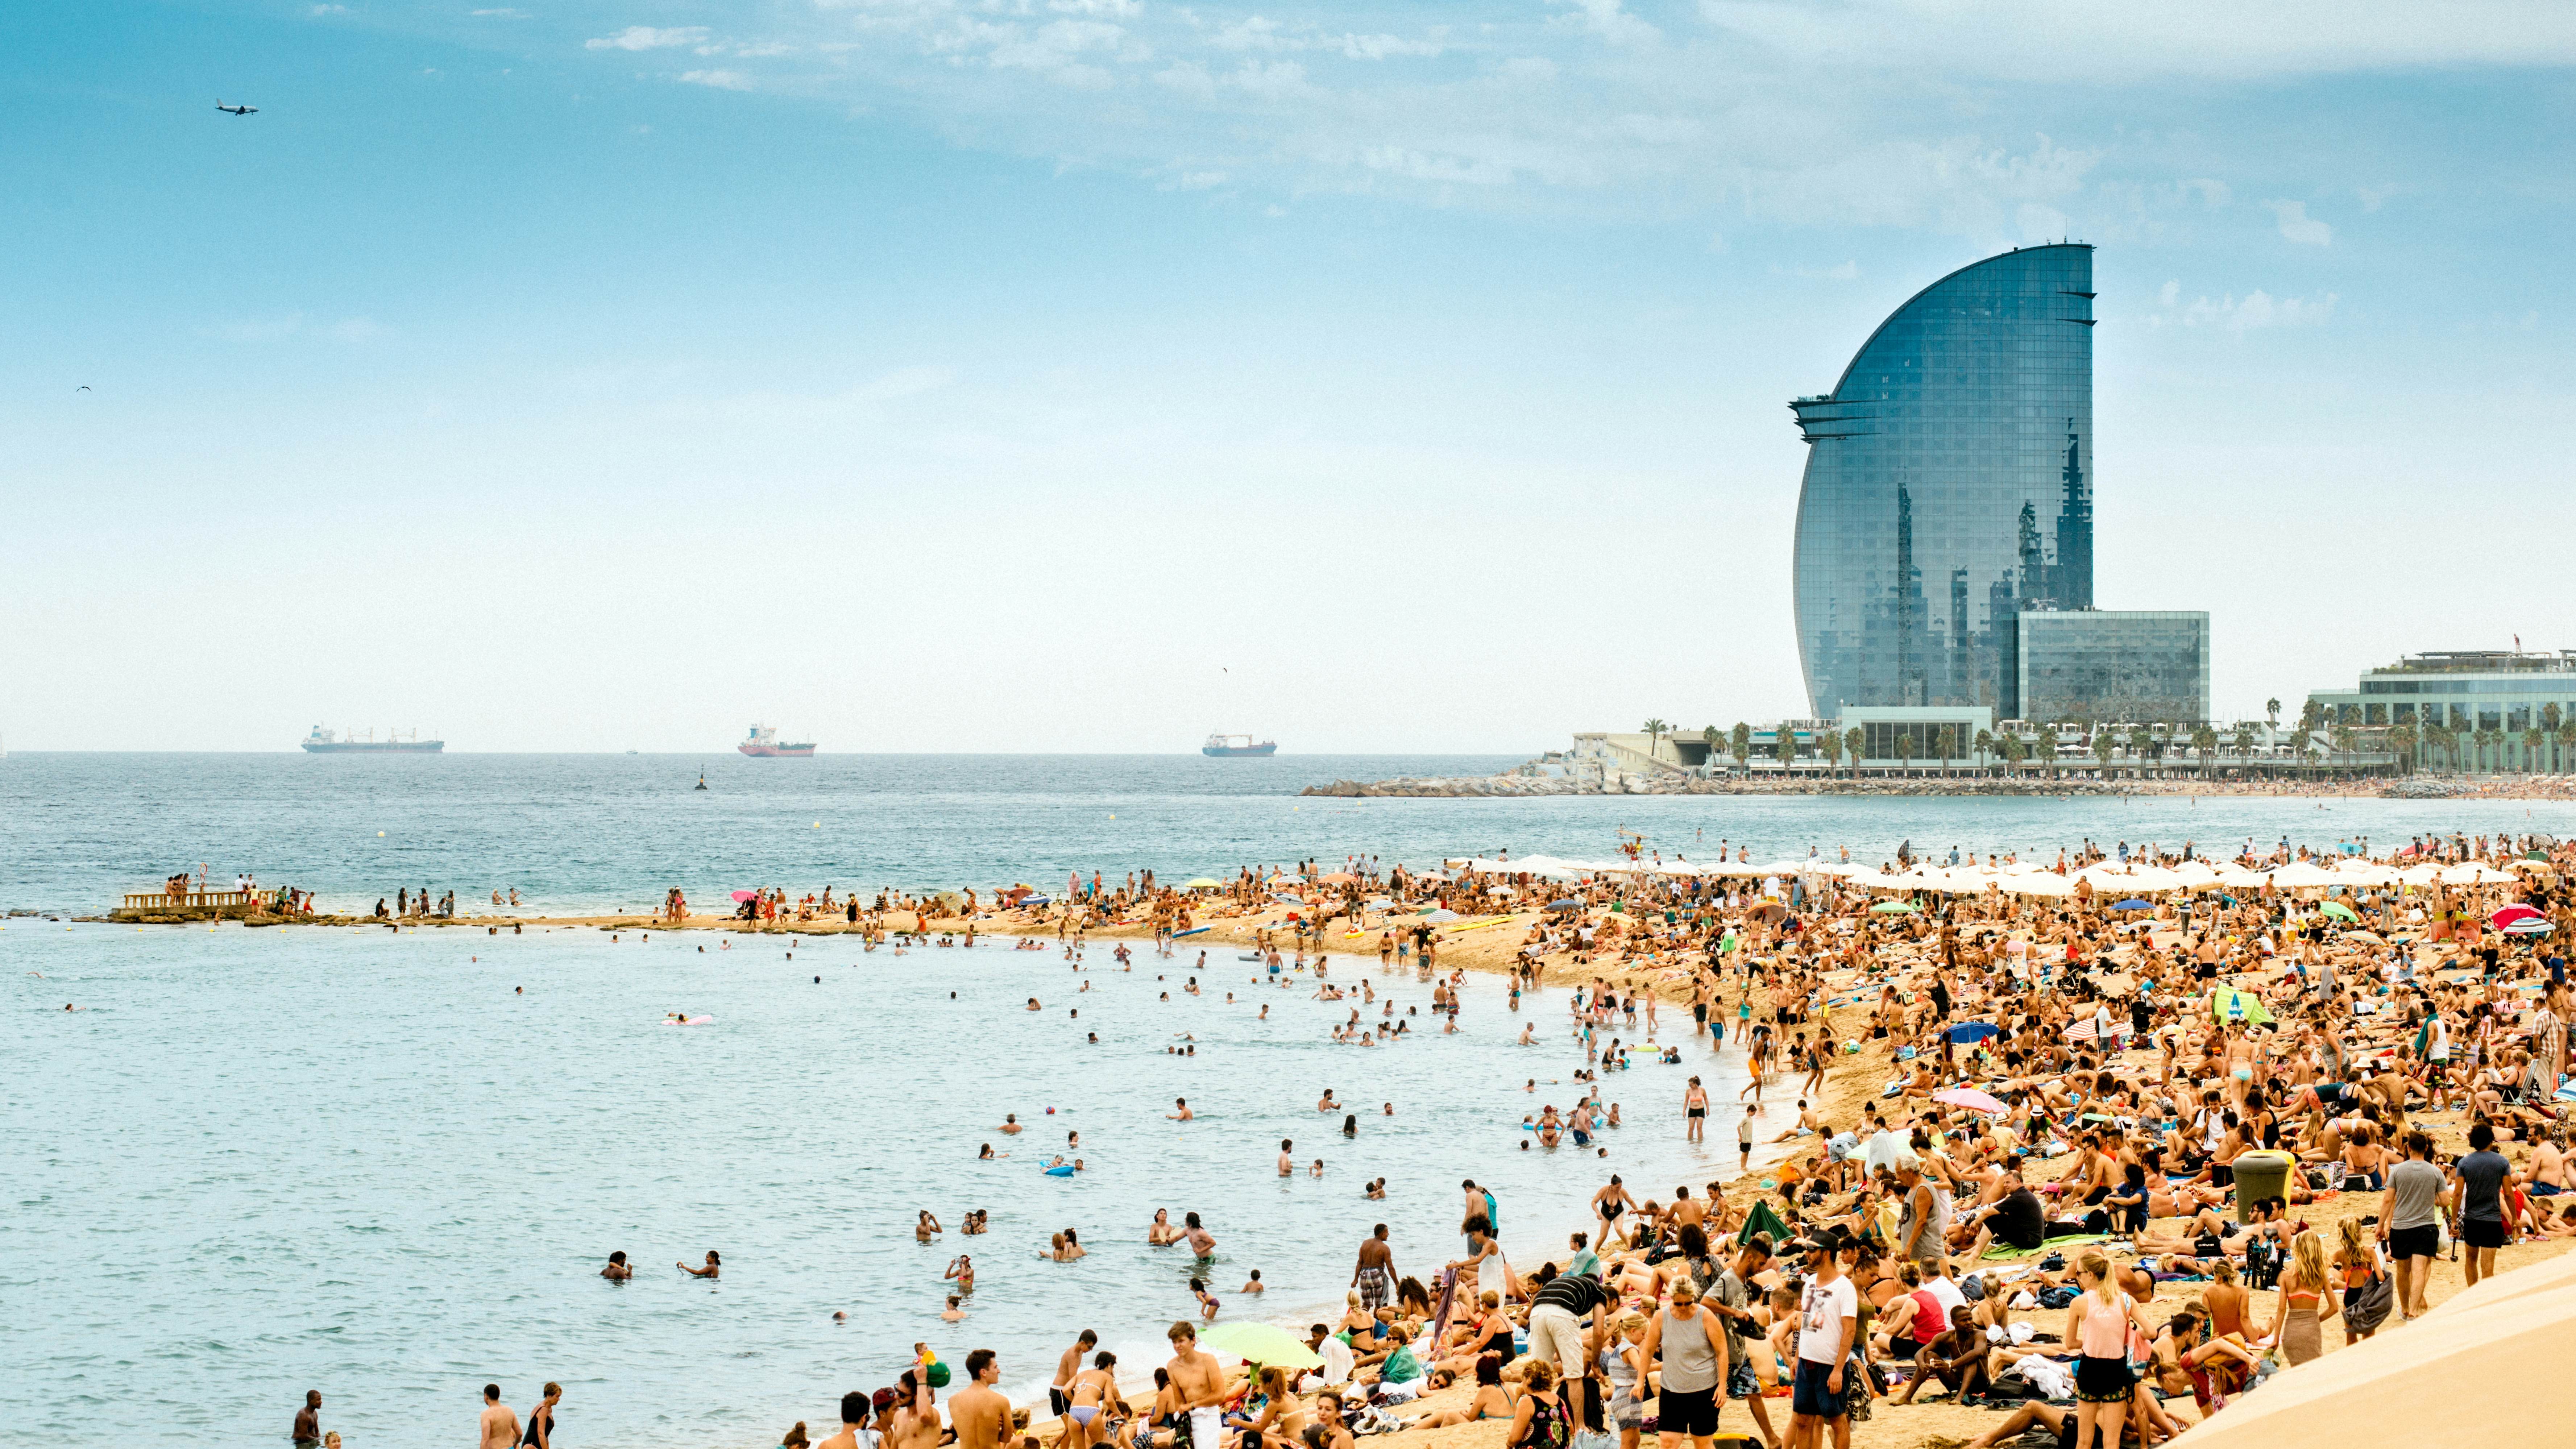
(236, 110)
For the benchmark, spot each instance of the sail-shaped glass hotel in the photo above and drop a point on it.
(1949, 487)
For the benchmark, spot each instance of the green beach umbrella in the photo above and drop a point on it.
(1263, 1343)
(1762, 1220)
(2341, 912)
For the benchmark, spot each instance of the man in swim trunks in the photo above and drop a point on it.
(1202, 1242)
(1066, 1366)
(1198, 1389)
(1374, 1276)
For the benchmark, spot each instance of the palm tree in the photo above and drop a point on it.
(2566, 742)
(2401, 739)
(2272, 709)
(2103, 746)
(1947, 742)
(2438, 738)
(2044, 745)
(1829, 743)
(1985, 746)
(2244, 741)
(2142, 741)
(1904, 751)
(2204, 743)
(1785, 745)
(1654, 732)
(2013, 751)
(1740, 742)
(1710, 737)
(2342, 737)
(1853, 740)
(2550, 721)
(2532, 739)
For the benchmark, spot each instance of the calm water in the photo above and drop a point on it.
(264, 1161)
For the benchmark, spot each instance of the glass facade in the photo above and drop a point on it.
(1949, 486)
(2125, 666)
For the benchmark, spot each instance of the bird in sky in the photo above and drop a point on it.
(235, 110)
(84, 387)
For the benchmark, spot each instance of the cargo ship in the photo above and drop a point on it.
(329, 742)
(1227, 747)
(764, 744)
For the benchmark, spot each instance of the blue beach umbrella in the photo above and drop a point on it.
(1968, 1031)
(2133, 903)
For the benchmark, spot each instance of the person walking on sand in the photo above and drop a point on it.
(500, 1427)
(1744, 1139)
(1374, 1276)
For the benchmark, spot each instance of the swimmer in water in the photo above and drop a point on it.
(1011, 1123)
(1254, 1284)
(952, 1313)
(1181, 1112)
(924, 1226)
(1162, 1233)
(709, 1271)
(617, 1270)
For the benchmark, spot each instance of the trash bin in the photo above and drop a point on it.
(2260, 1175)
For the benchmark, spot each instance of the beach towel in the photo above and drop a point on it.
(2001, 1251)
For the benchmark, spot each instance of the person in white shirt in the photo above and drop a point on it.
(1827, 1317)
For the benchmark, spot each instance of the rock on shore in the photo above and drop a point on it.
(1446, 787)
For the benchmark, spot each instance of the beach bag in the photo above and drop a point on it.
(1857, 1395)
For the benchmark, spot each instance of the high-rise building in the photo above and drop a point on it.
(1958, 448)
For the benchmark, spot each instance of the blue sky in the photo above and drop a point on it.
(930, 374)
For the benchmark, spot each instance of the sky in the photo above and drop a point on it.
(1088, 375)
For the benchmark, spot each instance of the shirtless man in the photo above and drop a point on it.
(1198, 1388)
(1202, 1242)
(1686, 1211)
(1374, 1274)
(1066, 1366)
(1287, 1168)
(854, 1417)
(981, 1414)
(500, 1426)
(1181, 1110)
(913, 1422)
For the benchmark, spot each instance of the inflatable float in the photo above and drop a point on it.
(686, 1021)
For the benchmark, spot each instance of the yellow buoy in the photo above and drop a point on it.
(380, 835)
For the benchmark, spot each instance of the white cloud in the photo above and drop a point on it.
(2374, 197)
(2039, 222)
(1254, 32)
(2255, 311)
(2055, 43)
(1200, 180)
(1605, 18)
(646, 37)
(1380, 47)
(2298, 226)
(723, 80)
(328, 10)
(504, 13)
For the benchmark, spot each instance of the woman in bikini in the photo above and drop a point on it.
(1091, 1395)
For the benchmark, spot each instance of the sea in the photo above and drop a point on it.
(389, 1165)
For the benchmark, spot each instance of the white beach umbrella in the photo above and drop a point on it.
(2420, 875)
(2303, 875)
(2039, 883)
(2473, 873)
